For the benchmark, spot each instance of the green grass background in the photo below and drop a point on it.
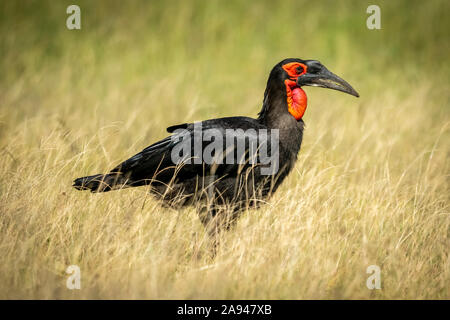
(371, 185)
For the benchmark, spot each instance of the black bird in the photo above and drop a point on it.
(177, 172)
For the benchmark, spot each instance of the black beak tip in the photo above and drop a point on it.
(349, 89)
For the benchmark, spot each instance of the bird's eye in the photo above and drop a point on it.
(300, 70)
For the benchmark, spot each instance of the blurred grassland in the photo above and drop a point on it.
(371, 185)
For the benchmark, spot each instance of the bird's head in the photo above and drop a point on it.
(293, 74)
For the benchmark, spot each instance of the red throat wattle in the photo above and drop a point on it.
(296, 99)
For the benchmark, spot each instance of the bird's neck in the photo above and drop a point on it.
(275, 112)
(275, 115)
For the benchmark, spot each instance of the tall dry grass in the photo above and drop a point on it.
(371, 186)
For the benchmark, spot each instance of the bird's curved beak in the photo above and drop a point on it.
(326, 79)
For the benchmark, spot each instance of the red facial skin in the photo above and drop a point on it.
(296, 97)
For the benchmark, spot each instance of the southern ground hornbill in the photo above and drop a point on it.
(234, 174)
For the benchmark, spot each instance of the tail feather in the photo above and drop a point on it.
(100, 182)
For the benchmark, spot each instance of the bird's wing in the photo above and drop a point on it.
(156, 161)
(171, 129)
